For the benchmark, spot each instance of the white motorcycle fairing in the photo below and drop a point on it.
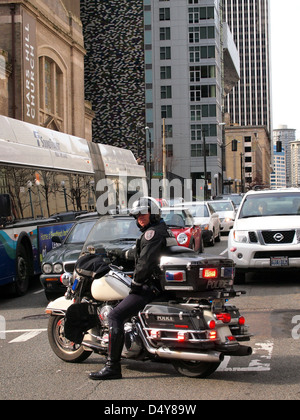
(111, 287)
(59, 306)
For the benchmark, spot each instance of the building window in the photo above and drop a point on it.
(51, 89)
(197, 150)
(197, 130)
(198, 53)
(166, 92)
(165, 72)
(165, 53)
(195, 93)
(169, 150)
(166, 111)
(168, 131)
(195, 112)
(165, 34)
(200, 13)
(164, 13)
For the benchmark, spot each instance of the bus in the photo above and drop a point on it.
(44, 173)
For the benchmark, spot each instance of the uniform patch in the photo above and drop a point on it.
(149, 234)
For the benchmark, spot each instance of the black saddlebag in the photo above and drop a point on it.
(80, 318)
(192, 275)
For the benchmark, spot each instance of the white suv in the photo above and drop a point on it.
(266, 232)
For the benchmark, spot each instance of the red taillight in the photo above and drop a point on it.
(210, 273)
(181, 336)
(242, 320)
(231, 338)
(211, 324)
(226, 317)
(212, 335)
(155, 334)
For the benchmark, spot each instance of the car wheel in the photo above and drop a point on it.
(240, 277)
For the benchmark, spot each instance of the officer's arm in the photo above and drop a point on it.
(149, 258)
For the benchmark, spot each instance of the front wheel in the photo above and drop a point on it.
(62, 347)
(194, 369)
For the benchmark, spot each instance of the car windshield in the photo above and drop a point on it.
(271, 204)
(222, 206)
(177, 218)
(80, 232)
(198, 210)
(114, 230)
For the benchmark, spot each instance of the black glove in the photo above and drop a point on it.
(136, 288)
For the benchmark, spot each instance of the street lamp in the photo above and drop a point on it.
(150, 158)
(204, 164)
(65, 194)
(29, 186)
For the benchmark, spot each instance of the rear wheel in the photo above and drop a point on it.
(23, 273)
(194, 369)
(62, 347)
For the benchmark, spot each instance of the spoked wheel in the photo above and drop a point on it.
(62, 347)
(194, 369)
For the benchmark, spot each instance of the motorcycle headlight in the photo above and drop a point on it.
(47, 268)
(58, 268)
(241, 236)
(182, 238)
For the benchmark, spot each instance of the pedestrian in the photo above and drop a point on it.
(145, 287)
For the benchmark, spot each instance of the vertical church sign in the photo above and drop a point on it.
(30, 98)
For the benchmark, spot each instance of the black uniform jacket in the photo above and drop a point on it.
(149, 248)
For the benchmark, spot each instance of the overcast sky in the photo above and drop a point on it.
(285, 63)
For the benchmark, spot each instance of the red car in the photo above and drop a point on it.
(181, 222)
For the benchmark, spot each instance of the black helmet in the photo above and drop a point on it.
(146, 205)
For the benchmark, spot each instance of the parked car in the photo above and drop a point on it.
(182, 224)
(63, 256)
(162, 202)
(116, 234)
(205, 216)
(266, 232)
(226, 212)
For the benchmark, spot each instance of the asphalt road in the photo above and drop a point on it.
(30, 370)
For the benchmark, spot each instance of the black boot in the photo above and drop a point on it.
(112, 368)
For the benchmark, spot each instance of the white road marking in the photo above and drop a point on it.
(25, 336)
(262, 351)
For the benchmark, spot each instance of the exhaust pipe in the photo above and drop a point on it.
(165, 353)
(243, 351)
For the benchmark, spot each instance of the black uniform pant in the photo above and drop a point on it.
(129, 307)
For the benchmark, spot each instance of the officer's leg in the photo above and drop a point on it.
(129, 307)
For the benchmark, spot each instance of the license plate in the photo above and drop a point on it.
(279, 261)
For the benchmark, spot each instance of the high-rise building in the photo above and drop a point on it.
(249, 103)
(187, 48)
(286, 136)
(154, 61)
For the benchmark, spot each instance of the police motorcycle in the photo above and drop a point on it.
(190, 325)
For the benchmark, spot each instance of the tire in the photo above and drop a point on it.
(193, 369)
(23, 272)
(62, 347)
(240, 277)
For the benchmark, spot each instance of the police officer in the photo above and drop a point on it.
(144, 288)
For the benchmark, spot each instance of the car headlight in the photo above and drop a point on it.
(241, 236)
(47, 268)
(58, 268)
(182, 238)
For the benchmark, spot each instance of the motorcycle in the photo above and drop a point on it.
(190, 325)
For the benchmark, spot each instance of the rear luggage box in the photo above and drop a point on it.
(195, 275)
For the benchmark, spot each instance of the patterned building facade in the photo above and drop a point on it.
(114, 71)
